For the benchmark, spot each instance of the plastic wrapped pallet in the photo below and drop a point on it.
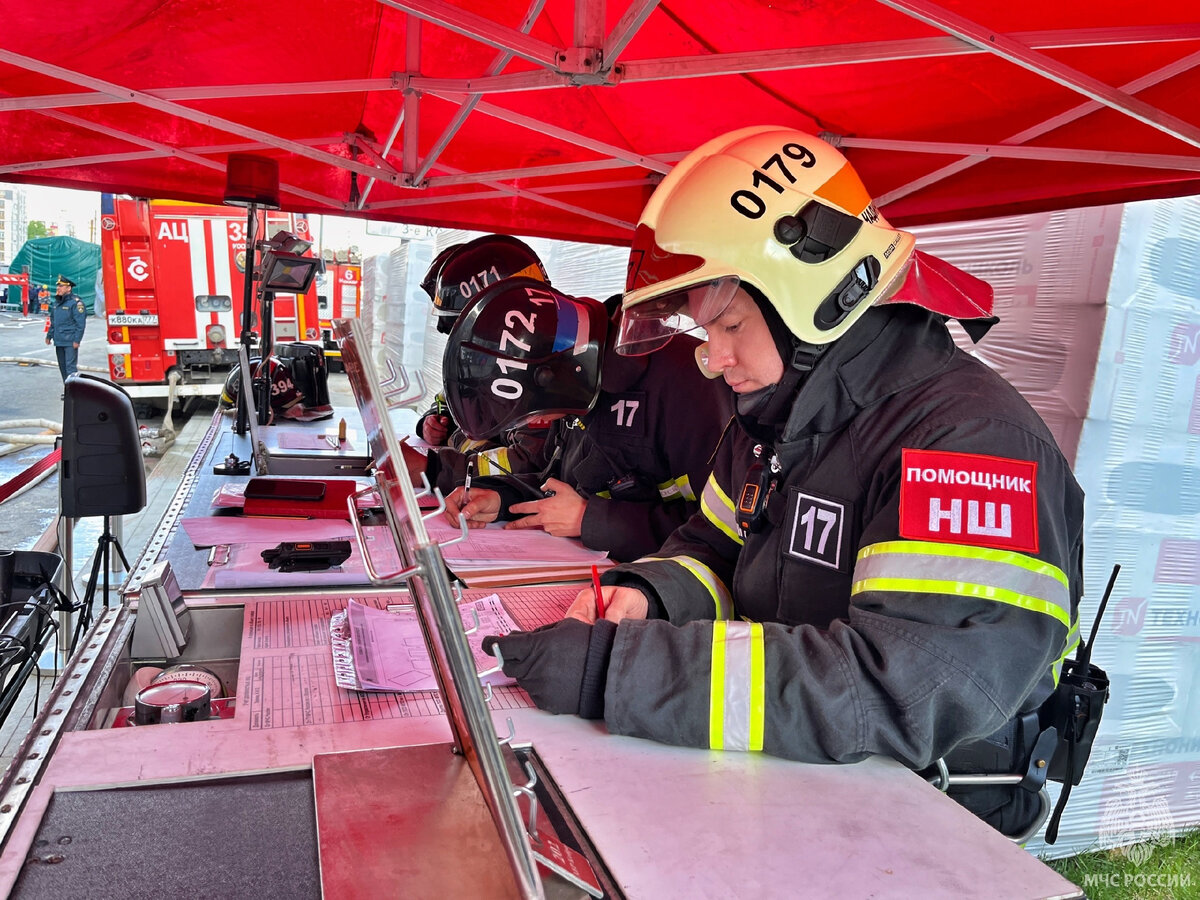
(1100, 331)
(1139, 452)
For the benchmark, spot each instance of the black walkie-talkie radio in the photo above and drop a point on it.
(307, 556)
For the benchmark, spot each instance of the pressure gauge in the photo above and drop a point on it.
(172, 701)
(190, 672)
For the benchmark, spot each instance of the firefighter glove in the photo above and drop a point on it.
(562, 666)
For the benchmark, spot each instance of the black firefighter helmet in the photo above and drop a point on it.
(429, 282)
(284, 393)
(523, 351)
(467, 269)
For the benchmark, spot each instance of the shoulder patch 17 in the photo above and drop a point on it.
(967, 498)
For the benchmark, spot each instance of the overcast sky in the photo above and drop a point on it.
(66, 207)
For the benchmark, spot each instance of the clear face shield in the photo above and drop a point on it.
(649, 326)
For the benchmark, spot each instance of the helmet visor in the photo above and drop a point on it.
(648, 326)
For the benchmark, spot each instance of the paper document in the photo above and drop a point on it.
(495, 543)
(381, 650)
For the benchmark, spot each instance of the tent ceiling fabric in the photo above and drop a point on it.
(557, 117)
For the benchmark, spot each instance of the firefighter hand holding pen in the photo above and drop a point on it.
(619, 603)
(479, 508)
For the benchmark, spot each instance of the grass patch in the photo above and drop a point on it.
(1150, 871)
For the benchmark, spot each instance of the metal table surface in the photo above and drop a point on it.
(667, 821)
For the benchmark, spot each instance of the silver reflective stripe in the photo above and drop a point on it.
(718, 509)
(737, 703)
(676, 487)
(1002, 576)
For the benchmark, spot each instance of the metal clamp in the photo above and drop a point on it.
(390, 393)
(441, 501)
(464, 532)
(368, 564)
(474, 628)
(527, 790)
(499, 667)
(426, 487)
(512, 733)
(941, 780)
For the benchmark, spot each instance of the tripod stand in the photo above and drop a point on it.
(100, 561)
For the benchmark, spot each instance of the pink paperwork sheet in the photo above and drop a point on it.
(287, 675)
(384, 650)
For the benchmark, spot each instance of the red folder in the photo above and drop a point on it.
(299, 503)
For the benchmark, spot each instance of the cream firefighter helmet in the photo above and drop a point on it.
(773, 208)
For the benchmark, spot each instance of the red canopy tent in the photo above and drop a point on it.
(557, 117)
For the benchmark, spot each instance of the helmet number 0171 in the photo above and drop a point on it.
(752, 206)
(478, 282)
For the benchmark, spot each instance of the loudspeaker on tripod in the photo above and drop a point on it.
(102, 469)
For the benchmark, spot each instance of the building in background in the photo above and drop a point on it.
(13, 223)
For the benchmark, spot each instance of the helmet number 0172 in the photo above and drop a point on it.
(752, 206)
(510, 388)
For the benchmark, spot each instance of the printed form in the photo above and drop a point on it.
(381, 650)
(287, 676)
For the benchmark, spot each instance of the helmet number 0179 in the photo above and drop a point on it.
(752, 206)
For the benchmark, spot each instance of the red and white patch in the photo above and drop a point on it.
(965, 498)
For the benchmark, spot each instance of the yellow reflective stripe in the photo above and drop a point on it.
(758, 687)
(737, 692)
(716, 689)
(1010, 557)
(493, 462)
(718, 509)
(1071, 643)
(676, 487)
(466, 445)
(962, 589)
(722, 602)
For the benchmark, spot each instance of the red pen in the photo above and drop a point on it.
(599, 593)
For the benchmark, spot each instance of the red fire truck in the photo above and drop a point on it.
(173, 283)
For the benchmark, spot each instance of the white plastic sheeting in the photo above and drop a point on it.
(1101, 331)
(1138, 456)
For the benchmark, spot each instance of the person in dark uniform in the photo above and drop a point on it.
(455, 277)
(889, 556)
(623, 463)
(67, 321)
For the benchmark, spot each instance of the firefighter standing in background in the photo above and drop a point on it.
(67, 321)
(888, 559)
